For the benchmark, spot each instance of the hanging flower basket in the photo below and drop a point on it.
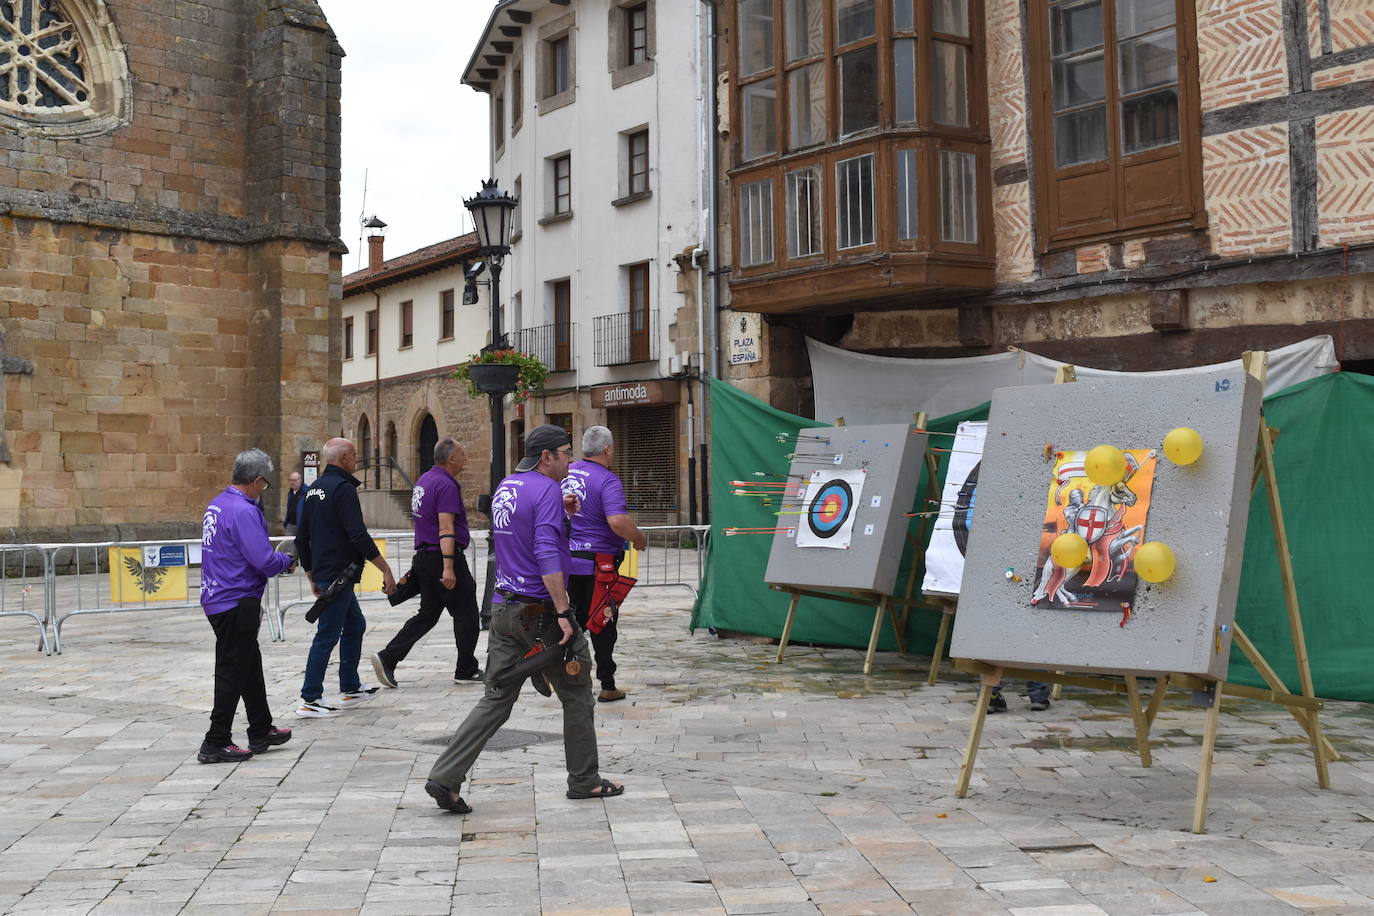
(502, 371)
(490, 378)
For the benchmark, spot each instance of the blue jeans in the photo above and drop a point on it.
(342, 624)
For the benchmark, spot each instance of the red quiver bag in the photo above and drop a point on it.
(608, 592)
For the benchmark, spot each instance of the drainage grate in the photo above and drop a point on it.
(507, 739)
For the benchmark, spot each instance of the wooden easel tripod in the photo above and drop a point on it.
(1303, 707)
(884, 605)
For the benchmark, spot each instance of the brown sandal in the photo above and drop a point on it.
(607, 789)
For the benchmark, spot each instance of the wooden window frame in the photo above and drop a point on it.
(562, 198)
(373, 332)
(447, 324)
(640, 342)
(637, 179)
(1116, 174)
(631, 46)
(562, 322)
(517, 97)
(923, 135)
(498, 124)
(348, 337)
(407, 324)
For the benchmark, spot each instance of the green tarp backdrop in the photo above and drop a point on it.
(1325, 427)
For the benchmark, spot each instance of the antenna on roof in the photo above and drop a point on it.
(362, 218)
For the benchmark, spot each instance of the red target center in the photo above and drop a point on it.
(831, 507)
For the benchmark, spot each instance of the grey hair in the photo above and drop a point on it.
(335, 449)
(595, 441)
(444, 448)
(250, 465)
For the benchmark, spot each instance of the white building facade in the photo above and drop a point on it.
(405, 329)
(599, 127)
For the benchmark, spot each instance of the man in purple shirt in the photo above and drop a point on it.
(529, 517)
(236, 559)
(601, 526)
(441, 536)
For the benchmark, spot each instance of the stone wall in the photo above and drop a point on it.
(174, 279)
(406, 403)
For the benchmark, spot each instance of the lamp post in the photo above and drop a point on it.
(491, 210)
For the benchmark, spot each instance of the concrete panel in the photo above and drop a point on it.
(892, 455)
(1200, 511)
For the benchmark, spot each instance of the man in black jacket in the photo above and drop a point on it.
(332, 535)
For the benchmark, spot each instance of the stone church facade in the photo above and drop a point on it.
(170, 258)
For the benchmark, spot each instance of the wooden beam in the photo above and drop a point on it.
(510, 31)
(975, 735)
(503, 47)
(1204, 770)
(520, 16)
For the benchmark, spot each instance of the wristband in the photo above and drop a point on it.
(566, 615)
(442, 536)
(448, 556)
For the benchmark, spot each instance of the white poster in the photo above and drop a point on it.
(945, 556)
(828, 508)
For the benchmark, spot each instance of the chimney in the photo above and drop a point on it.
(376, 238)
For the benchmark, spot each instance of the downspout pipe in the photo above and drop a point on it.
(713, 249)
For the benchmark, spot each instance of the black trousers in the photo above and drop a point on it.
(603, 643)
(460, 602)
(238, 673)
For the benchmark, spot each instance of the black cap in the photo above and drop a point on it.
(542, 438)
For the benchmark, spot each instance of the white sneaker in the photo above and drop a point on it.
(357, 697)
(314, 709)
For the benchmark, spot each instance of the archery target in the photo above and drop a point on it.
(828, 509)
(948, 543)
(832, 506)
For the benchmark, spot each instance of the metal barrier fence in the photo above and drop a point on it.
(24, 587)
(675, 556)
(92, 583)
(287, 592)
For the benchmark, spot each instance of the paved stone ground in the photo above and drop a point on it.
(752, 788)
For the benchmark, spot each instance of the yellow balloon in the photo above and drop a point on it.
(1183, 445)
(1105, 465)
(1154, 561)
(1069, 550)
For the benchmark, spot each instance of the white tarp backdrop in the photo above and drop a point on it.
(868, 389)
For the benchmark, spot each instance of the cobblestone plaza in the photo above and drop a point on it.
(752, 787)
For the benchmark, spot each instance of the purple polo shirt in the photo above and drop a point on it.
(436, 491)
(529, 532)
(602, 495)
(235, 555)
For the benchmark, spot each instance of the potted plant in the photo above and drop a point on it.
(502, 370)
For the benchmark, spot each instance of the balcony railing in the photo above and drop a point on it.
(627, 337)
(551, 343)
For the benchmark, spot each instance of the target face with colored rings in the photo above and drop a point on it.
(831, 506)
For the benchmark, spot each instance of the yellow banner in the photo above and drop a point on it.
(372, 577)
(131, 582)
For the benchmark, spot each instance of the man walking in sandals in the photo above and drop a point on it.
(529, 520)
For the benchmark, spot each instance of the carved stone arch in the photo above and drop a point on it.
(64, 72)
(423, 402)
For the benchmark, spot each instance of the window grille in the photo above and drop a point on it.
(958, 197)
(854, 201)
(907, 218)
(804, 212)
(43, 67)
(756, 223)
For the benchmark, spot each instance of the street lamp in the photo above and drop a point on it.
(491, 210)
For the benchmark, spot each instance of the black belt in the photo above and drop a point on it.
(516, 597)
(592, 554)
